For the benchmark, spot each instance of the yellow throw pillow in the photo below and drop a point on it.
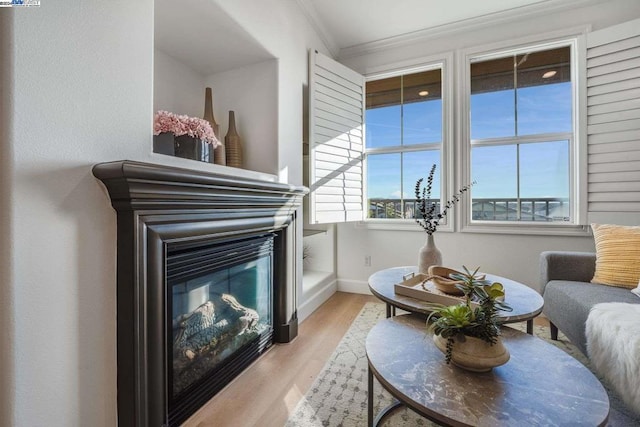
(617, 255)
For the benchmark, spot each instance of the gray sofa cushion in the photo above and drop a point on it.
(565, 265)
(571, 302)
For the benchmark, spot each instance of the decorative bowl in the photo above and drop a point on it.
(439, 275)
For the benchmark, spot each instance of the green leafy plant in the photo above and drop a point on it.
(430, 216)
(478, 320)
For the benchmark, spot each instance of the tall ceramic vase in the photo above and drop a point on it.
(233, 144)
(218, 157)
(428, 255)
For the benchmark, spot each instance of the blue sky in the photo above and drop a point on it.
(543, 166)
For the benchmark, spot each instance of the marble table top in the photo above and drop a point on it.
(525, 302)
(540, 385)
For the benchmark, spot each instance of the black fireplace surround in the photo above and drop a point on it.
(164, 210)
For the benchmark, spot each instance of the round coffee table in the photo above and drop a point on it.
(525, 302)
(539, 385)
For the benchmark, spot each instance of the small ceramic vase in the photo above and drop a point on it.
(233, 144)
(428, 255)
(218, 157)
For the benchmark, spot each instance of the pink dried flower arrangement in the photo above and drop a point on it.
(179, 125)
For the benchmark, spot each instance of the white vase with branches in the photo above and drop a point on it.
(429, 218)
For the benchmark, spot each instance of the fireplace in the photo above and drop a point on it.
(206, 283)
(219, 319)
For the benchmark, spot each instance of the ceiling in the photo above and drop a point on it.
(345, 24)
(199, 32)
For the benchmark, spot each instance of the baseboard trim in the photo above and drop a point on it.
(354, 286)
(316, 300)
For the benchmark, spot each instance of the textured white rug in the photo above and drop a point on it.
(338, 396)
(613, 344)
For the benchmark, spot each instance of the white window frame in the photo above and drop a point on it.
(446, 170)
(578, 163)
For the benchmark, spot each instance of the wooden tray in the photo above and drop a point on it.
(411, 286)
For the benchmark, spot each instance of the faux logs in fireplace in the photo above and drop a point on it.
(206, 281)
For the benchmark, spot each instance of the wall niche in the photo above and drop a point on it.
(197, 45)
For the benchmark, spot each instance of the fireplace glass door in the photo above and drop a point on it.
(221, 312)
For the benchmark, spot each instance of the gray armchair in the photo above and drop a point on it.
(565, 284)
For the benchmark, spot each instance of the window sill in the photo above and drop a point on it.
(528, 228)
(489, 228)
(396, 225)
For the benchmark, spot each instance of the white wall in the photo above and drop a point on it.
(82, 94)
(78, 87)
(7, 323)
(512, 256)
(321, 250)
(176, 87)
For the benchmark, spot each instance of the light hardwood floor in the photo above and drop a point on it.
(269, 390)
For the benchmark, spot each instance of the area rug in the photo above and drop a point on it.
(338, 396)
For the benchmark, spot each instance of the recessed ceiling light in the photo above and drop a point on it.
(423, 93)
(549, 74)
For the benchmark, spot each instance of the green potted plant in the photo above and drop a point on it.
(469, 333)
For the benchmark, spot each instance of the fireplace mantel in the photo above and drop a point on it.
(159, 206)
(136, 185)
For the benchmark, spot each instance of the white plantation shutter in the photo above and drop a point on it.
(336, 141)
(613, 123)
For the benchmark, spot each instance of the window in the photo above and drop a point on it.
(515, 135)
(404, 137)
(521, 114)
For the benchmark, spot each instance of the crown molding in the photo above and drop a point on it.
(476, 23)
(311, 14)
